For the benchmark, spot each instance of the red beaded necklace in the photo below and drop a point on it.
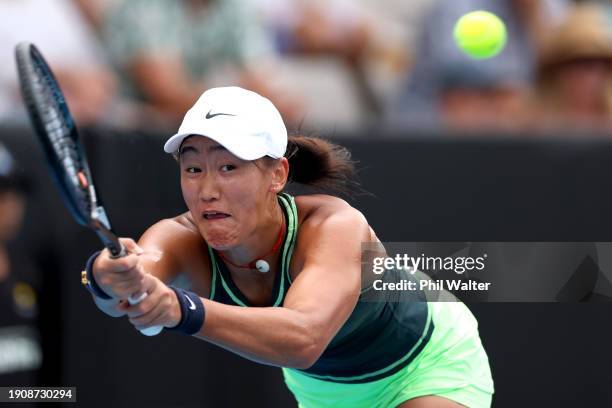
(259, 263)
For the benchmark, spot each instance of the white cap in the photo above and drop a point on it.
(245, 123)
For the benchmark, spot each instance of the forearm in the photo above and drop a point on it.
(269, 335)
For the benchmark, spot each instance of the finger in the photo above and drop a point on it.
(125, 290)
(148, 286)
(151, 318)
(136, 272)
(131, 280)
(135, 281)
(107, 264)
(122, 305)
(137, 297)
(141, 308)
(131, 246)
(159, 315)
(165, 313)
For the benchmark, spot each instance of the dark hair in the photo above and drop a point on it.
(320, 164)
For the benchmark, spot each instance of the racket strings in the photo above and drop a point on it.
(59, 129)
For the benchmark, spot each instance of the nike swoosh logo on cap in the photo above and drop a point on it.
(212, 115)
(191, 304)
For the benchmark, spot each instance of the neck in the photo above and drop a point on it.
(262, 244)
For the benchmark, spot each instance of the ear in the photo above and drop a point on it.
(280, 173)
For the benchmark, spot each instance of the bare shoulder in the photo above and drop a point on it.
(318, 208)
(328, 226)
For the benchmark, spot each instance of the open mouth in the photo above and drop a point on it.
(212, 215)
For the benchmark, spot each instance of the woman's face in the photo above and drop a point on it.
(227, 196)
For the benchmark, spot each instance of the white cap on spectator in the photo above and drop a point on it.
(245, 123)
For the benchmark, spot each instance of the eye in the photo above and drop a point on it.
(227, 167)
(192, 170)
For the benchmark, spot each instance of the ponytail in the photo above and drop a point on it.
(320, 164)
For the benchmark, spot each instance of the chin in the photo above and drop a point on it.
(219, 246)
(220, 240)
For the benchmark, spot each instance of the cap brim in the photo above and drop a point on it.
(239, 147)
(172, 145)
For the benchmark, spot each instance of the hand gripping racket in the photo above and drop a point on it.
(64, 151)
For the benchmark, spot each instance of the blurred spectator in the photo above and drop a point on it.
(575, 72)
(66, 41)
(470, 98)
(448, 88)
(396, 24)
(20, 351)
(95, 11)
(315, 27)
(341, 55)
(168, 51)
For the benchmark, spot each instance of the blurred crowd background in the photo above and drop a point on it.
(328, 65)
(346, 68)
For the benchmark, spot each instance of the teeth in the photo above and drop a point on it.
(208, 214)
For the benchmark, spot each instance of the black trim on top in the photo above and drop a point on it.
(416, 352)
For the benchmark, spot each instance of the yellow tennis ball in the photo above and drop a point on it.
(480, 34)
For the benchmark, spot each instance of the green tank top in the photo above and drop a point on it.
(378, 339)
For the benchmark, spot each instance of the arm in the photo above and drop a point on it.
(318, 303)
(296, 334)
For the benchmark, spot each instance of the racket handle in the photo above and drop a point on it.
(116, 249)
(108, 237)
(149, 331)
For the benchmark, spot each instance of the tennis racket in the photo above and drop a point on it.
(64, 151)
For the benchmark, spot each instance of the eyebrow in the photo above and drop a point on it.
(187, 149)
(216, 148)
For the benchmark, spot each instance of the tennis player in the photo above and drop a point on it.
(278, 280)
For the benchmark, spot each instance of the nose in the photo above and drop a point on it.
(209, 188)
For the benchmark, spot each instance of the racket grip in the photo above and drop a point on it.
(149, 331)
(117, 250)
